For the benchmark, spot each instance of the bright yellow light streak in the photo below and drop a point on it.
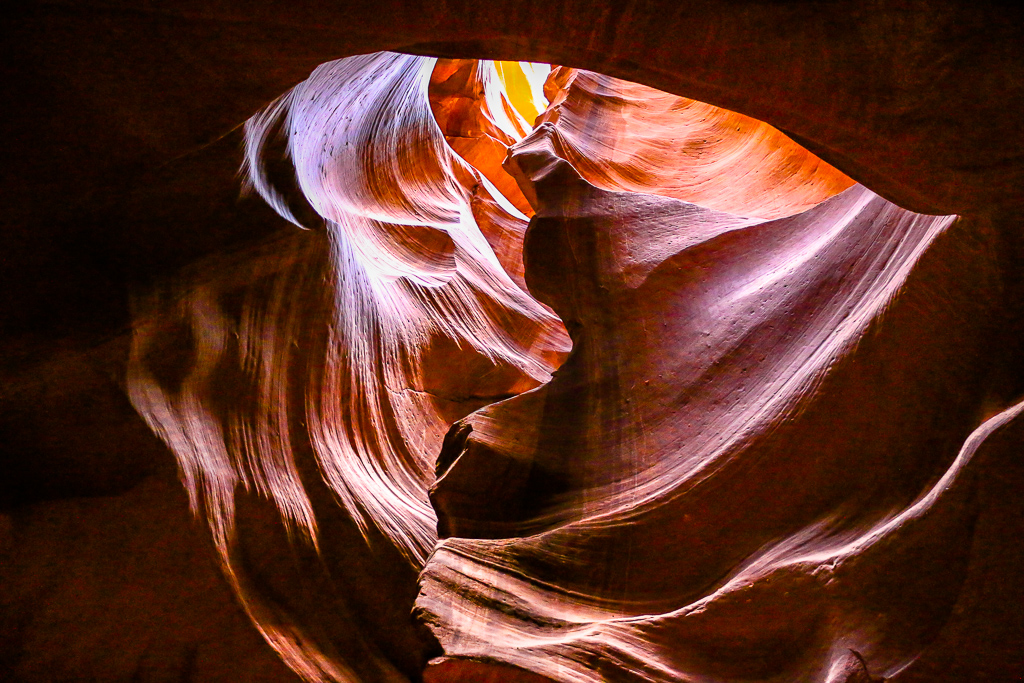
(524, 86)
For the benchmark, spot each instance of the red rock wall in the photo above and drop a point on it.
(119, 178)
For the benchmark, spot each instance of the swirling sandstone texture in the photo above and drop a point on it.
(324, 368)
(681, 502)
(625, 136)
(670, 504)
(784, 446)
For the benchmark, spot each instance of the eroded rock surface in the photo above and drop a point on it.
(712, 485)
(120, 171)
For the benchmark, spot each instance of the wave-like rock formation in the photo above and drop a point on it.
(662, 509)
(123, 138)
(626, 136)
(727, 478)
(323, 369)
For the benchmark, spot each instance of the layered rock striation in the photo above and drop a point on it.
(720, 481)
(338, 398)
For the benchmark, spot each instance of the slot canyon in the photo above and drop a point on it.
(519, 341)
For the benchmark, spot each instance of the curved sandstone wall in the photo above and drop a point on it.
(780, 449)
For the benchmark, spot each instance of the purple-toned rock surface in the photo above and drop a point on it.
(784, 446)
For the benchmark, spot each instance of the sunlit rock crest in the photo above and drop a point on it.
(629, 137)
